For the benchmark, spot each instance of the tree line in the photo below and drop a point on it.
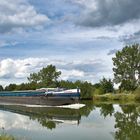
(126, 73)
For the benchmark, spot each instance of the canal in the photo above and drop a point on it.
(95, 121)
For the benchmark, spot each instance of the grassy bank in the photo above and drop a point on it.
(6, 137)
(117, 97)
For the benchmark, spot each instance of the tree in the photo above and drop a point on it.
(1, 88)
(69, 84)
(11, 87)
(106, 85)
(46, 77)
(86, 90)
(127, 67)
(34, 77)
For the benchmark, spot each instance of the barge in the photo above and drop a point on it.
(49, 96)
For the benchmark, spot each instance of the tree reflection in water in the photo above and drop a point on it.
(127, 117)
(127, 123)
(49, 124)
(106, 110)
(50, 117)
(55, 116)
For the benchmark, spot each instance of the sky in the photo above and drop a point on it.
(79, 37)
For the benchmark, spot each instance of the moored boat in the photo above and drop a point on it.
(50, 97)
(62, 93)
(25, 93)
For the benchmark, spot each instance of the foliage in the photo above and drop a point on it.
(107, 109)
(117, 97)
(51, 125)
(137, 97)
(127, 124)
(46, 77)
(97, 85)
(1, 88)
(107, 85)
(137, 91)
(127, 66)
(34, 77)
(47, 123)
(27, 86)
(68, 84)
(86, 90)
(11, 87)
(98, 91)
(6, 137)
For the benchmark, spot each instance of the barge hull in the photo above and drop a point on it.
(38, 100)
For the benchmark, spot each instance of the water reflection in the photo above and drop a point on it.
(106, 110)
(108, 121)
(128, 123)
(47, 117)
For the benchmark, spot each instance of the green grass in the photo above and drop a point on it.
(124, 96)
(6, 137)
(117, 97)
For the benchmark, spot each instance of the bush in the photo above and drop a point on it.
(1, 88)
(119, 97)
(99, 91)
(11, 87)
(107, 85)
(6, 137)
(137, 91)
(86, 90)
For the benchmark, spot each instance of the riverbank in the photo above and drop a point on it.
(6, 137)
(117, 97)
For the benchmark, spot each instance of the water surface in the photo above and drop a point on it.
(92, 122)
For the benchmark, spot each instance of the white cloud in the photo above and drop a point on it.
(17, 71)
(75, 34)
(19, 14)
(17, 121)
(108, 12)
(20, 68)
(72, 74)
(7, 68)
(108, 18)
(90, 4)
(4, 43)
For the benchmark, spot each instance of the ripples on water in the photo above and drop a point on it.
(92, 122)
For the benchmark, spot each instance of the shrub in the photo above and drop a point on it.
(137, 97)
(1, 88)
(6, 137)
(99, 91)
(86, 90)
(107, 85)
(137, 91)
